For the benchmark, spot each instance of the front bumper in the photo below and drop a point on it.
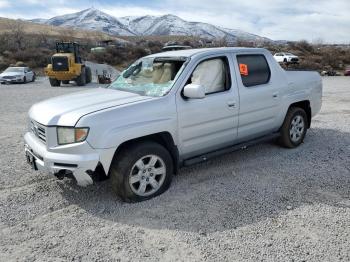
(10, 81)
(293, 60)
(79, 159)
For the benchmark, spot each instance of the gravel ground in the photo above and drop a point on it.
(264, 203)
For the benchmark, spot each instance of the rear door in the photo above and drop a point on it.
(28, 73)
(209, 123)
(260, 96)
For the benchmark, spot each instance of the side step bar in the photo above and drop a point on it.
(243, 145)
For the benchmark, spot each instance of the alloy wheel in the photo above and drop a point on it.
(147, 175)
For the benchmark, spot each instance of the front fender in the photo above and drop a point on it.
(121, 134)
(111, 127)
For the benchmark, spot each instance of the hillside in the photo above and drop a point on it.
(8, 25)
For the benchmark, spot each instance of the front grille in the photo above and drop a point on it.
(294, 60)
(38, 130)
(8, 77)
(60, 63)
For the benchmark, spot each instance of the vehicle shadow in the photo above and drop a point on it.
(235, 190)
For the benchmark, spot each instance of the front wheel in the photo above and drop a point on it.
(54, 82)
(88, 75)
(141, 171)
(81, 79)
(294, 128)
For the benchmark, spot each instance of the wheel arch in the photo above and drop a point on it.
(305, 105)
(163, 138)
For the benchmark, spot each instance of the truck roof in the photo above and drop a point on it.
(192, 52)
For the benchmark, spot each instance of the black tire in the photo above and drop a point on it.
(292, 135)
(54, 82)
(88, 74)
(124, 163)
(24, 80)
(285, 60)
(33, 79)
(66, 82)
(81, 80)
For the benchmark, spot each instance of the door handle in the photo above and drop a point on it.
(275, 95)
(231, 104)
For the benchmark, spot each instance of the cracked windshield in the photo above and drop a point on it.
(150, 76)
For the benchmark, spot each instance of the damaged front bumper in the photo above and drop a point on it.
(79, 159)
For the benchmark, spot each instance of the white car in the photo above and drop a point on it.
(286, 58)
(17, 75)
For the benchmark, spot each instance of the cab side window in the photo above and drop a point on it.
(213, 75)
(254, 70)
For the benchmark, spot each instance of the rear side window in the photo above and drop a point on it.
(254, 70)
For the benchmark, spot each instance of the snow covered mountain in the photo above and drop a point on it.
(93, 19)
(89, 19)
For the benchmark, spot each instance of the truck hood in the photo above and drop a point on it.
(66, 110)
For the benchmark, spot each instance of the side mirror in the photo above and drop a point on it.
(194, 91)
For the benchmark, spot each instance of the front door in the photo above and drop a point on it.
(211, 122)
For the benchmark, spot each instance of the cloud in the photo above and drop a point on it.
(4, 4)
(276, 19)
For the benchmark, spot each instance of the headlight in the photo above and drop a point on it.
(69, 135)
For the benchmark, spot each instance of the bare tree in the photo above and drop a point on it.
(4, 41)
(245, 43)
(67, 34)
(17, 32)
(318, 41)
(43, 38)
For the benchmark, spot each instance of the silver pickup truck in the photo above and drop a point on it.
(169, 110)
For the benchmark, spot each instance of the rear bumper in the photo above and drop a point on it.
(84, 160)
(62, 75)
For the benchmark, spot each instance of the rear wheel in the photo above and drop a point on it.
(81, 79)
(88, 74)
(54, 82)
(66, 82)
(141, 171)
(294, 128)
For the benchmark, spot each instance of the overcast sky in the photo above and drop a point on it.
(312, 20)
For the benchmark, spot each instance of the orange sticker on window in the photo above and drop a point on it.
(243, 69)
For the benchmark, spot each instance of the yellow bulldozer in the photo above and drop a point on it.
(67, 65)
